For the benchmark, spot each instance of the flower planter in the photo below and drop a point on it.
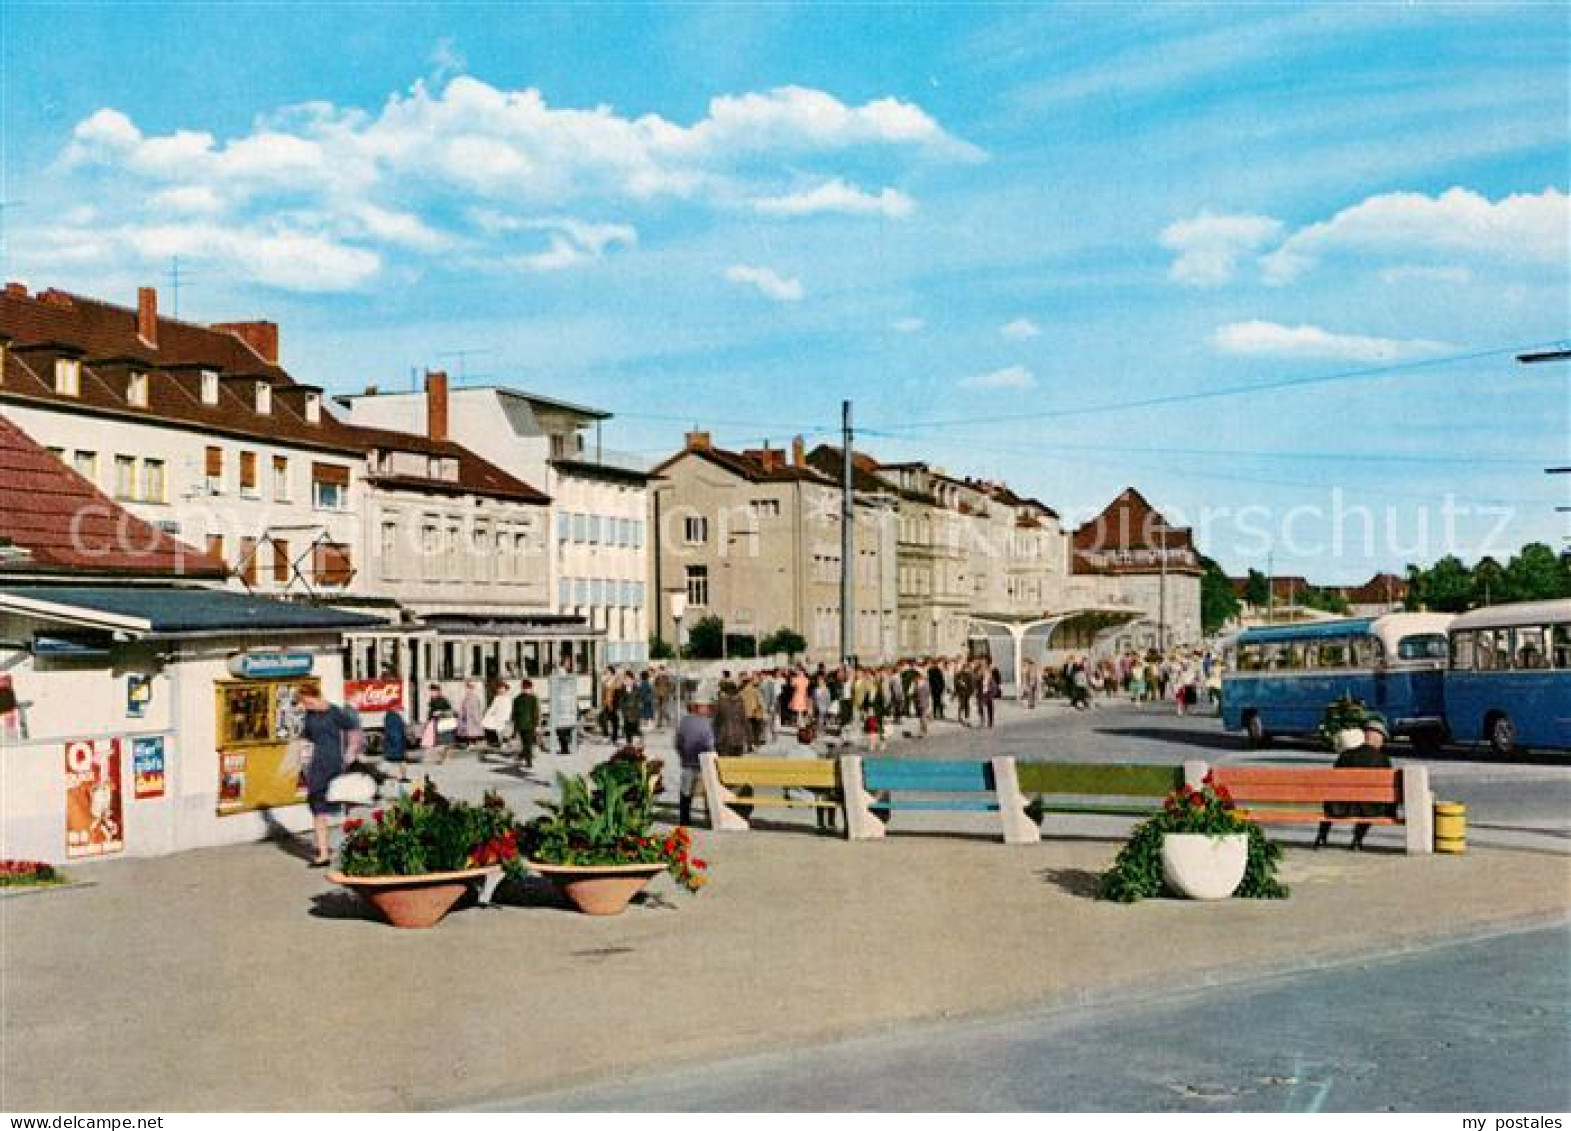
(1204, 867)
(412, 902)
(602, 889)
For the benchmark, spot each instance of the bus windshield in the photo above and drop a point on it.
(1429, 646)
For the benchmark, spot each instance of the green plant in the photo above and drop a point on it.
(1341, 714)
(705, 639)
(659, 649)
(607, 818)
(783, 640)
(28, 874)
(424, 832)
(1137, 871)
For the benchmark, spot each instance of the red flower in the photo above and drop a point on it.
(1209, 778)
(351, 825)
(376, 815)
(700, 863)
(1198, 801)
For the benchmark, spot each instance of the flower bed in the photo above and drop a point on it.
(425, 832)
(29, 874)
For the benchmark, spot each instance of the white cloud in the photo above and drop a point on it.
(1021, 329)
(1272, 339)
(907, 325)
(572, 242)
(1522, 228)
(837, 196)
(1209, 246)
(1416, 274)
(766, 281)
(1014, 377)
(446, 59)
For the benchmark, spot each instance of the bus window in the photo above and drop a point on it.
(450, 661)
(1429, 646)
(1530, 654)
(1462, 652)
(1333, 654)
(1248, 658)
(1560, 646)
(1366, 652)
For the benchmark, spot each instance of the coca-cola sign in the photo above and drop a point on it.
(375, 694)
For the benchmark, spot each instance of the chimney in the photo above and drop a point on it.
(260, 336)
(16, 290)
(799, 452)
(147, 315)
(699, 442)
(436, 406)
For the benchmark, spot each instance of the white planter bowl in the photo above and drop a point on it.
(1204, 867)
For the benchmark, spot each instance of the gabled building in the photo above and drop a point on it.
(1131, 555)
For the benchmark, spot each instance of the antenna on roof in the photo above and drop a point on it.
(461, 355)
(176, 276)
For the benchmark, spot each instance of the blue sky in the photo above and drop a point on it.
(991, 226)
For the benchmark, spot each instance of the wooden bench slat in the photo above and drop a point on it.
(946, 805)
(805, 773)
(1099, 780)
(929, 777)
(780, 801)
(1295, 792)
(1104, 810)
(1309, 816)
(1234, 777)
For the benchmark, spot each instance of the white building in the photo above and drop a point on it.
(598, 539)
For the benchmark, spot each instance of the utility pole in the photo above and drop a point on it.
(847, 539)
(1270, 588)
(1161, 593)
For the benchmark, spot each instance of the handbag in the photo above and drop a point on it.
(352, 789)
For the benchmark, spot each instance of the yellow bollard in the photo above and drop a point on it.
(1450, 827)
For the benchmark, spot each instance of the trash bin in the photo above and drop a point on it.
(1450, 827)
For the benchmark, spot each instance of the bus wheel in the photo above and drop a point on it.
(1256, 730)
(1502, 735)
(1427, 742)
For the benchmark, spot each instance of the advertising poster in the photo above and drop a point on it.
(93, 823)
(369, 695)
(147, 768)
(138, 694)
(260, 763)
(231, 781)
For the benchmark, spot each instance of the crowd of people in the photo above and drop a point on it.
(1187, 678)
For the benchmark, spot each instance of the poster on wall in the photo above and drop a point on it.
(138, 694)
(93, 823)
(231, 781)
(147, 767)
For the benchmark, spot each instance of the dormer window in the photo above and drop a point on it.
(264, 399)
(313, 408)
(68, 377)
(209, 387)
(136, 390)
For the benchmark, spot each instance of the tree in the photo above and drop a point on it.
(1535, 574)
(1490, 585)
(704, 638)
(741, 645)
(659, 649)
(1326, 600)
(1258, 589)
(1218, 603)
(786, 640)
(1445, 587)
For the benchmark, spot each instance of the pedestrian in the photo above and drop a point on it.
(731, 730)
(646, 701)
(965, 685)
(935, 688)
(1028, 684)
(695, 735)
(753, 708)
(1370, 756)
(395, 740)
(498, 716)
(326, 727)
(665, 688)
(922, 692)
(610, 716)
(526, 721)
(801, 702)
(471, 715)
(821, 703)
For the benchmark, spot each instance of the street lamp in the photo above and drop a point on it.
(678, 598)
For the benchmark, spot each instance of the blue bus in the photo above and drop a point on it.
(1280, 678)
(1509, 683)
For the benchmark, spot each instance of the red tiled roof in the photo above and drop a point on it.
(1131, 526)
(104, 337)
(67, 526)
(751, 468)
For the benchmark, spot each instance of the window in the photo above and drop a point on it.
(264, 399)
(281, 479)
(564, 593)
(58, 453)
(389, 549)
(454, 552)
(698, 586)
(136, 390)
(430, 549)
(1560, 646)
(246, 565)
(313, 408)
(695, 530)
(215, 470)
(248, 474)
(68, 377)
(1530, 653)
(1426, 647)
(580, 591)
(765, 508)
(215, 546)
(154, 483)
(125, 477)
(580, 528)
(638, 535)
(86, 465)
(281, 565)
(594, 529)
(564, 526)
(329, 487)
(330, 564)
(209, 387)
(1367, 652)
(597, 591)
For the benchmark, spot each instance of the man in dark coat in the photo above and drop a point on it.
(526, 721)
(935, 685)
(1370, 756)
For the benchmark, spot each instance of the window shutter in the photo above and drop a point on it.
(215, 463)
(247, 563)
(280, 561)
(332, 566)
(330, 474)
(248, 471)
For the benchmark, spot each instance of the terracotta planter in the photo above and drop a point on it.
(412, 902)
(1204, 867)
(599, 889)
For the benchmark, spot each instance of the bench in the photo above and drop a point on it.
(1139, 789)
(877, 787)
(724, 776)
(1297, 795)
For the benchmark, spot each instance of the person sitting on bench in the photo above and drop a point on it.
(1370, 756)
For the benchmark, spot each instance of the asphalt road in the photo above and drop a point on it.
(1478, 1026)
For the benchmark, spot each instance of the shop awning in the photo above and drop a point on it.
(176, 612)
